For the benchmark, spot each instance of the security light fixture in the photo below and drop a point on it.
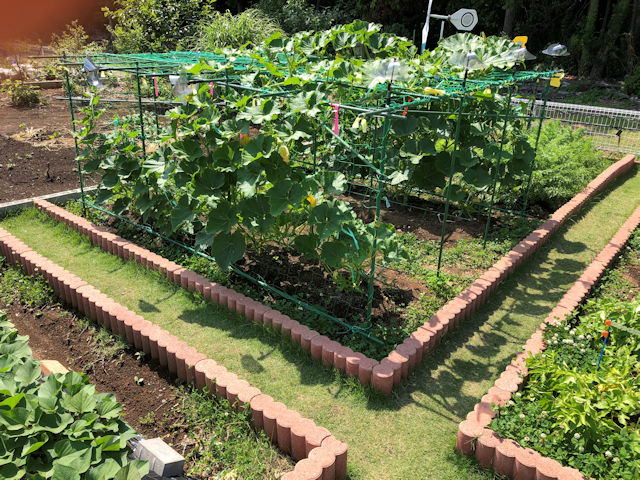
(464, 19)
(556, 50)
(92, 72)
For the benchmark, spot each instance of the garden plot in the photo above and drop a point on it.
(214, 438)
(384, 434)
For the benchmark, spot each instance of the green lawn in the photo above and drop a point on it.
(408, 435)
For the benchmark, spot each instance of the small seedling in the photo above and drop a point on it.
(148, 419)
(139, 380)
(139, 355)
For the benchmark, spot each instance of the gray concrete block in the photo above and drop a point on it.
(163, 460)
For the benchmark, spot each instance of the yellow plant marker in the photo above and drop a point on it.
(522, 39)
(433, 91)
(556, 79)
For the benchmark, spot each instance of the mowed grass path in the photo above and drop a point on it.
(411, 434)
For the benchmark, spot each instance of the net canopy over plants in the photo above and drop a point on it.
(267, 146)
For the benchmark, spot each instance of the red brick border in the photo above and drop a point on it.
(389, 372)
(319, 454)
(506, 456)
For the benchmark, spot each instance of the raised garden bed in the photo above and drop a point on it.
(554, 405)
(58, 426)
(390, 371)
(213, 437)
(318, 453)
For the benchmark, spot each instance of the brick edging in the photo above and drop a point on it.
(506, 456)
(391, 370)
(319, 454)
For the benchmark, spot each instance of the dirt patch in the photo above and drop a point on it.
(57, 335)
(632, 274)
(37, 154)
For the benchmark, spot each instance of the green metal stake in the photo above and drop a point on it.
(541, 119)
(381, 182)
(451, 173)
(497, 172)
(142, 136)
(75, 141)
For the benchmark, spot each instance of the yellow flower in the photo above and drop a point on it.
(363, 125)
(312, 200)
(284, 153)
(356, 123)
(487, 91)
(433, 91)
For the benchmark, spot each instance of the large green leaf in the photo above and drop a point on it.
(228, 248)
(333, 253)
(284, 194)
(222, 218)
(81, 402)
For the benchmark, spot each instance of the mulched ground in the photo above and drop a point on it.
(56, 335)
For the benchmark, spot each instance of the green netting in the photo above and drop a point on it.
(363, 162)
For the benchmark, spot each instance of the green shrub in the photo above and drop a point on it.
(74, 40)
(155, 25)
(631, 84)
(21, 94)
(297, 15)
(227, 30)
(565, 163)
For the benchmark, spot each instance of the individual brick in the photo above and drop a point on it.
(308, 470)
(269, 415)
(525, 464)
(353, 362)
(299, 431)
(317, 345)
(339, 450)
(383, 378)
(340, 357)
(222, 382)
(468, 432)
(326, 459)
(329, 350)
(423, 337)
(297, 331)
(548, 469)
(233, 389)
(486, 448)
(306, 337)
(284, 422)
(257, 405)
(365, 370)
(186, 361)
(396, 368)
(402, 360)
(314, 438)
(504, 460)
(206, 372)
(245, 395)
(288, 324)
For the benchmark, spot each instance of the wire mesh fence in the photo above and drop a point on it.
(610, 128)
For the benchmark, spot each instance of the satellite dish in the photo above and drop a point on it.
(556, 50)
(464, 19)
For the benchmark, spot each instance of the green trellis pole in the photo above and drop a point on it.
(381, 182)
(507, 117)
(141, 113)
(535, 149)
(75, 141)
(450, 182)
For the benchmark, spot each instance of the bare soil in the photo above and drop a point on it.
(57, 335)
(37, 154)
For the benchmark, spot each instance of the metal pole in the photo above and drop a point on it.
(497, 172)
(141, 112)
(381, 180)
(75, 141)
(541, 118)
(451, 173)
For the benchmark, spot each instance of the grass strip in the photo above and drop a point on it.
(408, 435)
